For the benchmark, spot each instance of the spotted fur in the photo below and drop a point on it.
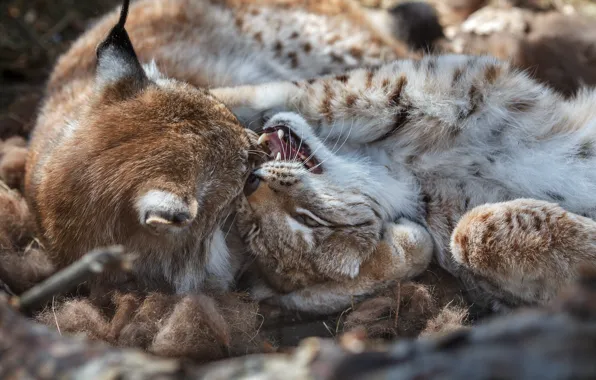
(458, 132)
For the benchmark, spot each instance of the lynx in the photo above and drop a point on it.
(497, 167)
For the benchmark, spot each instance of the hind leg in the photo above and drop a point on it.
(523, 251)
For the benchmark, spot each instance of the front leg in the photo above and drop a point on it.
(404, 252)
(428, 102)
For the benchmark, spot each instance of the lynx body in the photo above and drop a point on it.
(499, 168)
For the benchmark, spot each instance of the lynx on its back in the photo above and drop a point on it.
(430, 141)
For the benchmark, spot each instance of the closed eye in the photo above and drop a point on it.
(307, 218)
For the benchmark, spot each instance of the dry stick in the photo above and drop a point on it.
(6, 289)
(93, 262)
(395, 321)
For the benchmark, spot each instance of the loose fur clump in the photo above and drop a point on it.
(408, 309)
(449, 319)
(16, 224)
(78, 316)
(21, 269)
(23, 262)
(13, 156)
(197, 327)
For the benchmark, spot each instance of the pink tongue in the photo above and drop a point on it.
(276, 145)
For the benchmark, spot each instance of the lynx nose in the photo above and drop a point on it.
(163, 209)
(181, 217)
(165, 217)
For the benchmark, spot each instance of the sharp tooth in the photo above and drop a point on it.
(280, 133)
(264, 137)
(278, 157)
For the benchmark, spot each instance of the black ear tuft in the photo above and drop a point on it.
(116, 57)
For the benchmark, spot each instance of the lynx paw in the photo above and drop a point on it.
(412, 243)
(527, 248)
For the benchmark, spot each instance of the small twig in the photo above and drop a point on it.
(397, 306)
(339, 319)
(93, 262)
(6, 289)
(328, 329)
(55, 316)
(259, 328)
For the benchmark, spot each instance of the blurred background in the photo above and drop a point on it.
(554, 39)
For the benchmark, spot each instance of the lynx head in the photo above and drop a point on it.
(152, 163)
(310, 215)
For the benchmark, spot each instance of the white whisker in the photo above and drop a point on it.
(321, 145)
(347, 138)
(231, 225)
(338, 149)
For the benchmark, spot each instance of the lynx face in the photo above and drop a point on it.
(308, 214)
(171, 152)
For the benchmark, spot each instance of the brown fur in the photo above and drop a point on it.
(142, 327)
(76, 316)
(197, 327)
(22, 261)
(59, 200)
(449, 319)
(119, 152)
(410, 309)
(13, 156)
(402, 311)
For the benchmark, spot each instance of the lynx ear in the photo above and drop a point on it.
(164, 211)
(116, 57)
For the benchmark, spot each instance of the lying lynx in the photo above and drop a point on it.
(477, 152)
(122, 153)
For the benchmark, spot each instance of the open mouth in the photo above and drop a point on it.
(283, 145)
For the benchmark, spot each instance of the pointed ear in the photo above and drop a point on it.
(117, 61)
(163, 211)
